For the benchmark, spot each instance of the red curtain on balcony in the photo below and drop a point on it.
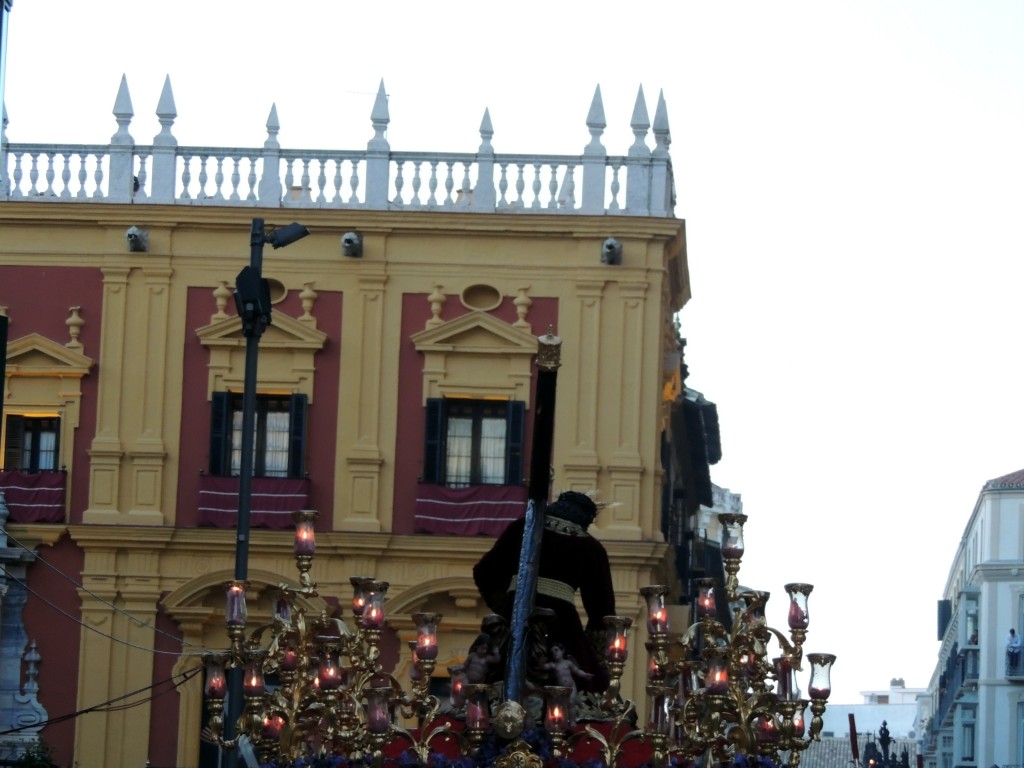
(34, 497)
(273, 501)
(478, 510)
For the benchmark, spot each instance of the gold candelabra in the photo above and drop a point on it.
(713, 691)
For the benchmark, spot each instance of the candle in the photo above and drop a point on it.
(216, 686)
(236, 610)
(305, 539)
(797, 616)
(358, 603)
(817, 692)
(719, 681)
(732, 550)
(653, 670)
(657, 624)
(330, 678)
(457, 679)
(254, 684)
(617, 650)
(378, 720)
(798, 723)
(556, 719)
(373, 617)
(272, 726)
(476, 715)
(289, 660)
(426, 647)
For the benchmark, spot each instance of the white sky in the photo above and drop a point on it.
(851, 174)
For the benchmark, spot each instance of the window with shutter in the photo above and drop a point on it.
(32, 443)
(473, 442)
(280, 435)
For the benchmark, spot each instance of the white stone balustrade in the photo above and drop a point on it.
(636, 184)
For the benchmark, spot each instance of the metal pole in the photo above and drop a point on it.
(254, 321)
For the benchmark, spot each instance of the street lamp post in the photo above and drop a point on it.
(252, 298)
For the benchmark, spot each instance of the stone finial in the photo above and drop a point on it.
(486, 132)
(308, 298)
(165, 113)
(662, 134)
(640, 122)
(436, 299)
(522, 303)
(380, 117)
(74, 324)
(221, 294)
(273, 126)
(596, 123)
(123, 113)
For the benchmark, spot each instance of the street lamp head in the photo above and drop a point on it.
(287, 234)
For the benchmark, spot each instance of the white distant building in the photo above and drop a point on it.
(973, 713)
(896, 706)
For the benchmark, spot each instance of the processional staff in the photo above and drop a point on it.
(548, 360)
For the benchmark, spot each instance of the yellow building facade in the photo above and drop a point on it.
(125, 364)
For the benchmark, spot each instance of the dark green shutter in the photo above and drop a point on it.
(15, 437)
(220, 435)
(297, 436)
(514, 443)
(433, 452)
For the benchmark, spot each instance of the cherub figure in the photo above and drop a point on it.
(480, 659)
(565, 672)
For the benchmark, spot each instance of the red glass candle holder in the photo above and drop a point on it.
(799, 617)
(657, 614)
(616, 647)
(373, 610)
(705, 597)
(556, 708)
(305, 533)
(426, 635)
(236, 614)
(216, 680)
(378, 712)
(820, 687)
(716, 679)
(732, 535)
(253, 684)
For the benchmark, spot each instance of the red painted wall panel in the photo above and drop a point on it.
(37, 301)
(322, 416)
(411, 417)
(52, 618)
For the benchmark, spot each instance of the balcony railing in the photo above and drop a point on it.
(1014, 667)
(639, 183)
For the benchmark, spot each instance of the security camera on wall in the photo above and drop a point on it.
(352, 245)
(611, 251)
(138, 239)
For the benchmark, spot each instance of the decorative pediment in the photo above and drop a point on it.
(36, 355)
(287, 350)
(476, 333)
(476, 355)
(284, 331)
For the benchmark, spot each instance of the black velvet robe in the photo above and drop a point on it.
(578, 560)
